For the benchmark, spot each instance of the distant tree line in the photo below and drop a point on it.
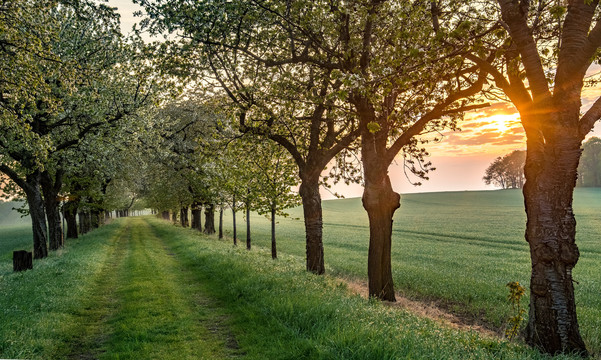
(507, 172)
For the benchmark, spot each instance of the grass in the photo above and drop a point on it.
(458, 249)
(137, 282)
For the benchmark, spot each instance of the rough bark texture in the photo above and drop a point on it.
(311, 199)
(22, 260)
(209, 219)
(274, 251)
(380, 202)
(38, 216)
(550, 232)
(70, 214)
(51, 205)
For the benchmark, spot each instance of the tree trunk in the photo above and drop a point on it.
(37, 214)
(274, 252)
(183, 216)
(50, 191)
(209, 219)
(380, 201)
(221, 222)
(311, 199)
(165, 215)
(550, 231)
(247, 225)
(234, 221)
(95, 219)
(70, 214)
(174, 217)
(196, 216)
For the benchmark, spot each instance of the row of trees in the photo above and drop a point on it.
(325, 81)
(72, 90)
(507, 172)
(323, 77)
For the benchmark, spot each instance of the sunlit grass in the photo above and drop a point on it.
(458, 249)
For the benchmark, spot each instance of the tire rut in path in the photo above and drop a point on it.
(146, 305)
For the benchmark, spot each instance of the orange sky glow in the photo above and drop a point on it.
(461, 157)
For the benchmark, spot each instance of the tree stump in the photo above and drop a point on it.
(22, 260)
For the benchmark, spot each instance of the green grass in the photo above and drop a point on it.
(458, 249)
(279, 311)
(141, 288)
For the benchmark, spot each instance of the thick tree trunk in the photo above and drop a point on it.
(234, 221)
(550, 231)
(220, 222)
(183, 216)
(197, 216)
(311, 199)
(209, 219)
(70, 214)
(380, 202)
(247, 225)
(38, 216)
(174, 217)
(274, 251)
(165, 215)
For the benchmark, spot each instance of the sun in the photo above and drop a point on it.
(501, 122)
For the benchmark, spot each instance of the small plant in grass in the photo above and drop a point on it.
(516, 292)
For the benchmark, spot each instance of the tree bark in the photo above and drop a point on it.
(197, 216)
(95, 219)
(183, 216)
(274, 252)
(209, 219)
(50, 190)
(247, 225)
(220, 222)
(37, 214)
(550, 231)
(234, 221)
(380, 202)
(70, 214)
(311, 199)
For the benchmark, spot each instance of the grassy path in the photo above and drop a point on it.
(147, 306)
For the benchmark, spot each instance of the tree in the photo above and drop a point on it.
(294, 104)
(94, 81)
(544, 51)
(507, 171)
(589, 169)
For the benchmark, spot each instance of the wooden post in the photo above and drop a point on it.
(22, 260)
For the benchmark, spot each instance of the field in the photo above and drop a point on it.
(457, 250)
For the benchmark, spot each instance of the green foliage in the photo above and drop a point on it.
(589, 168)
(516, 292)
(507, 171)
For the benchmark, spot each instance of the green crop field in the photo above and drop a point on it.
(455, 249)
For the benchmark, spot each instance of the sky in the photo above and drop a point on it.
(460, 158)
